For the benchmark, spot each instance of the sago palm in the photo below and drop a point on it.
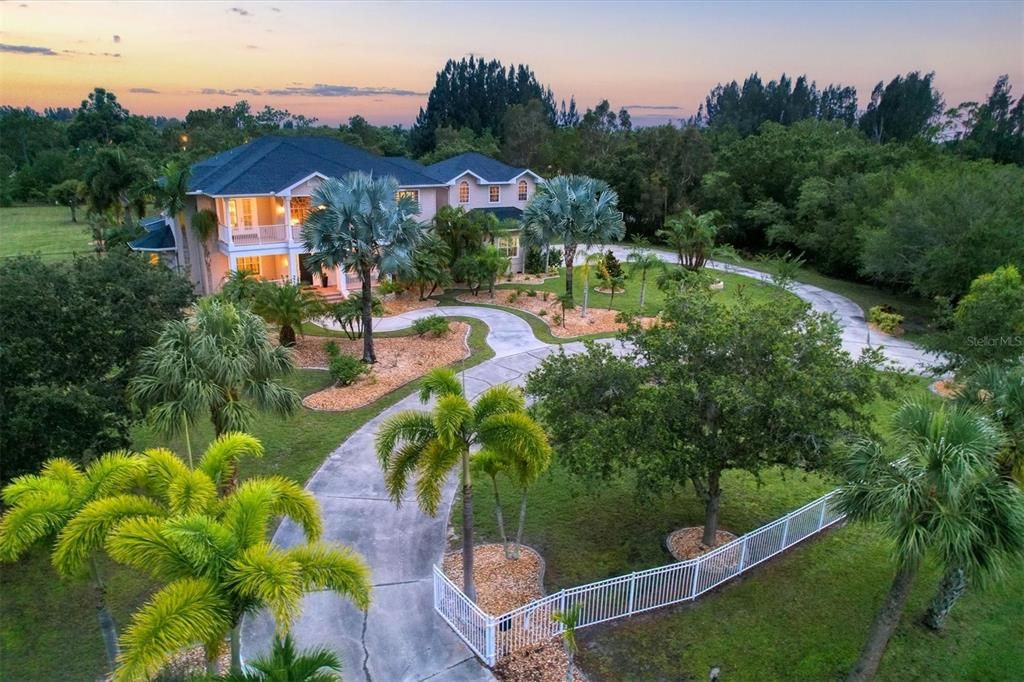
(241, 287)
(288, 306)
(286, 663)
(218, 362)
(40, 506)
(424, 447)
(577, 209)
(569, 619)
(942, 497)
(217, 566)
(361, 225)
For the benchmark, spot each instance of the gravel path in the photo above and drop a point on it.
(400, 637)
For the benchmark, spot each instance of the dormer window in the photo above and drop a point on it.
(494, 193)
(463, 192)
(523, 189)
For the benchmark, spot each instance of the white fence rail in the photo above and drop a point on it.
(491, 637)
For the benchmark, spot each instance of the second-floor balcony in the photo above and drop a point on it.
(260, 235)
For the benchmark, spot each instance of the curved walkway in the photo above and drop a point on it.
(400, 637)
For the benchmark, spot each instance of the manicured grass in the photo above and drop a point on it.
(45, 230)
(48, 627)
(802, 616)
(629, 300)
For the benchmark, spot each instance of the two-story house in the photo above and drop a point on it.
(260, 192)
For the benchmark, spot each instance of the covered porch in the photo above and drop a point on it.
(289, 267)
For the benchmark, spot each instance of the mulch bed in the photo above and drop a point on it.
(192, 661)
(408, 300)
(597, 321)
(399, 361)
(687, 543)
(502, 585)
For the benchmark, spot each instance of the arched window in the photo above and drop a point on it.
(522, 190)
(463, 192)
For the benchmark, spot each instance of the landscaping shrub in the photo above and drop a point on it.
(532, 293)
(431, 324)
(612, 265)
(886, 319)
(344, 368)
(545, 295)
(542, 312)
(331, 348)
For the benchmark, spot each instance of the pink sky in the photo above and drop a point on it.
(332, 60)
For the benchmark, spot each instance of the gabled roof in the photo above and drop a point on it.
(158, 236)
(271, 164)
(483, 167)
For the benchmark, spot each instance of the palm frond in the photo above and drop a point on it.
(498, 399)
(220, 460)
(63, 470)
(33, 484)
(140, 542)
(35, 517)
(162, 467)
(185, 612)
(89, 528)
(325, 566)
(521, 440)
(205, 544)
(111, 474)
(438, 382)
(266, 576)
(250, 508)
(451, 415)
(406, 427)
(191, 492)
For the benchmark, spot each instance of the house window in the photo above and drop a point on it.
(413, 194)
(299, 210)
(463, 192)
(494, 193)
(522, 190)
(508, 246)
(250, 263)
(243, 212)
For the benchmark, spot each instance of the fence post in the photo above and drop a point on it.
(821, 517)
(696, 572)
(743, 554)
(632, 591)
(785, 533)
(489, 642)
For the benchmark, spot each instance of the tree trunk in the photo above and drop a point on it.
(207, 274)
(287, 336)
(74, 213)
(886, 620)
(570, 673)
(952, 587)
(712, 496)
(236, 648)
(108, 628)
(570, 256)
(586, 294)
(213, 662)
(522, 522)
(467, 530)
(500, 516)
(369, 356)
(643, 288)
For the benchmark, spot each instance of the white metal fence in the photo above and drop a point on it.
(491, 637)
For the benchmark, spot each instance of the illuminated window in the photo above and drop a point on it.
(463, 192)
(250, 263)
(494, 193)
(522, 190)
(300, 209)
(508, 246)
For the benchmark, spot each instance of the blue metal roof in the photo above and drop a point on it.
(268, 165)
(158, 236)
(491, 170)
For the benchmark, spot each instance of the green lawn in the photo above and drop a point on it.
(46, 230)
(41, 615)
(802, 616)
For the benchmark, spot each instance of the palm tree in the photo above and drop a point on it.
(569, 620)
(426, 446)
(430, 265)
(204, 224)
(999, 392)
(287, 306)
(216, 566)
(491, 464)
(579, 210)
(643, 259)
(349, 313)
(241, 287)
(172, 193)
(362, 225)
(590, 262)
(943, 497)
(40, 506)
(115, 182)
(490, 264)
(287, 664)
(691, 236)
(218, 362)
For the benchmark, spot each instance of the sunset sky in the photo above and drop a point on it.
(335, 59)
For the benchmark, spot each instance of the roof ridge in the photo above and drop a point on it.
(352, 147)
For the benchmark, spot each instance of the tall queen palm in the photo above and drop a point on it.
(576, 209)
(361, 224)
(943, 497)
(425, 446)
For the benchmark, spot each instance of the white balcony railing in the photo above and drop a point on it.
(259, 235)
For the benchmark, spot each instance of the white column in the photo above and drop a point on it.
(293, 266)
(342, 281)
(233, 262)
(288, 218)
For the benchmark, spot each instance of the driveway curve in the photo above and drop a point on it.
(400, 637)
